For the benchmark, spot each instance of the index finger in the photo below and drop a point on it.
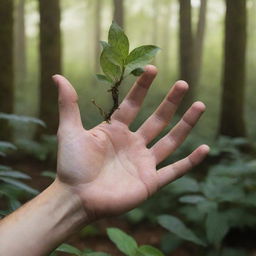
(131, 104)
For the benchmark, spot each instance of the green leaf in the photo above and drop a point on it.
(49, 174)
(96, 254)
(192, 199)
(216, 227)
(19, 185)
(184, 185)
(140, 57)
(118, 40)
(5, 167)
(14, 204)
(110, 64)
(69, 249)
(148, 250)
(176, 226)
(124, 242)
(4, 145)
(138, 71)
(24, 119)
(14, 174)
(104, 44)
(104, 79)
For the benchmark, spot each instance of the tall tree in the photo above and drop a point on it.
(20, 44)
(119, 12)
(97, 29)
(199, 41)
(50, 60)
(166, 36)
(6, 65)
(155, 21)
(186, 45)
(191, 47)
(233, 88)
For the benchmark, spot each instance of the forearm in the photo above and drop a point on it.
(43, 223)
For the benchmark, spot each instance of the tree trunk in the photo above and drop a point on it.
(97, 22)
(6, 65)
(119, 12)
(20, 45)
(199, 41)
(166, 39)
(155, 22)
(186, 51)
(50, 60)
(233, 91)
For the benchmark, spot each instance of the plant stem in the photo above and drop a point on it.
(115, 97)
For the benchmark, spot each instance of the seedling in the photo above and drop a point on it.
(117, 63)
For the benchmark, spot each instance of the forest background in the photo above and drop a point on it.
(209, 43)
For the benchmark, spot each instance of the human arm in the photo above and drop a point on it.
(104, 171)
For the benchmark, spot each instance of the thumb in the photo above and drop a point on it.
(69, 114)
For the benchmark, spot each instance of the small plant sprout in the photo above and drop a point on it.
(117, 62)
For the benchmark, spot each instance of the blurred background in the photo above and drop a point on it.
(209, 43)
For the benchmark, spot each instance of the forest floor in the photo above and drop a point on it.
(97, 240)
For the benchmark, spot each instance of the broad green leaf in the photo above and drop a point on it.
(49, 174)
(14, 204)
(69, 249)
(104, 79)
(24, 119)
(184, 185)
(5, 167)
(109, 62)
(140, 57)
(118, 40)
(135, 215)
(104, 44)
(207, 206)
(124, 242)
(4, 145)
(216, 227)
(19, 185)
(192, 199)
(138, 71)
(176, 226)
(14, 174)
(148, 250)
(96, 254)
(192, 213)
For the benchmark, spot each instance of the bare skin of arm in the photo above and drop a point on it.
(101, 172)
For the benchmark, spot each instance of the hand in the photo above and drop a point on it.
(110, 167)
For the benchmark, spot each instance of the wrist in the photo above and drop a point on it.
(67, 207)
(43, 223)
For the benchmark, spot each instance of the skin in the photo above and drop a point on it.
(104, 171)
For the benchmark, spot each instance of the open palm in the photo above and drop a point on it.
(110, 167)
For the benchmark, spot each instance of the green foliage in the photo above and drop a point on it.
(116, 61)
(69, 249)
(45, 149)
(11, 186)
(216, 227)
(177, 227)
(125, 243)
(139, 58)
(49, 174)
(23, 119)
(223, 199)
